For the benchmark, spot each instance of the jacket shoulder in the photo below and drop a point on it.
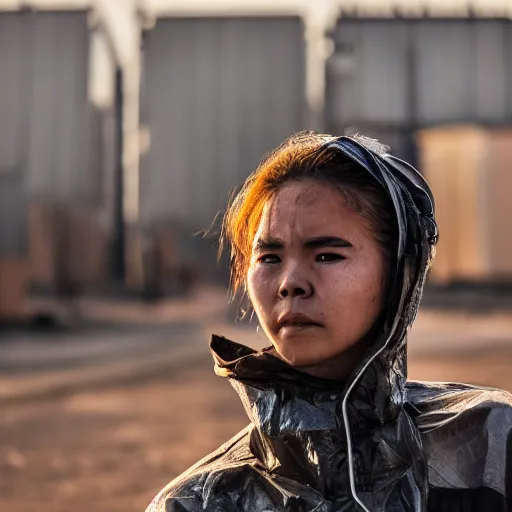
(466, 432)
(435, 400)
(185, 492)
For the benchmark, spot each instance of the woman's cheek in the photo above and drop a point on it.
(347, 285)
(335, 276)
(258, 286)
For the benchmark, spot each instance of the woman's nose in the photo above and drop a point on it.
(295, 286)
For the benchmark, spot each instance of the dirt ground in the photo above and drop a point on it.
(112, 450)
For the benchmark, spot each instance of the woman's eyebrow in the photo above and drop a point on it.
(327, 241)
(273, 244)
(268, 244)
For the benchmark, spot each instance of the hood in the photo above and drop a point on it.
(354, 435)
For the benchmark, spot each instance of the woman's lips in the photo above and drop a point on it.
(296, 321)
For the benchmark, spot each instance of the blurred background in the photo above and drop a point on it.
(125, 126)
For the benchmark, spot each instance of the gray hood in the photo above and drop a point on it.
(379, 457)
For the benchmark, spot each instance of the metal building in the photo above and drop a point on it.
(392, 76)
(217, 94)
(50, 137)
(45, 118)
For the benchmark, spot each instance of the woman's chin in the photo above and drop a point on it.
(319, 356)
(302, 351)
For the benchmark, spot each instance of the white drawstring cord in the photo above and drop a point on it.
(348, 436)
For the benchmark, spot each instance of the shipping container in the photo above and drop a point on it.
(217, 94)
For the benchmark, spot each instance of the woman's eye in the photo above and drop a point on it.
(328, 257)
(269, 259)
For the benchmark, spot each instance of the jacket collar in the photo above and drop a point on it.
(280, 399)
(298, 424)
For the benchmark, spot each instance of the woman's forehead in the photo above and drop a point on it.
(308, 209)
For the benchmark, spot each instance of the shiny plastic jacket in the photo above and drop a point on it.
(375, 442)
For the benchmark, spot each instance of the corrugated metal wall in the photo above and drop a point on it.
(60, 115)
(470, 61)
(14, 87)
(218, 93)
(395, 75)
(367, 77)
(45, 119)
(13, 216)
(13, 145)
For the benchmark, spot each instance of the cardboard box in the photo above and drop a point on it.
(498, 203)
(468, 169)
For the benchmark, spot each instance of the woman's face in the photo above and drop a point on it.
(316, 278)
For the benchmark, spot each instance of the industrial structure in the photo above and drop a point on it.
(125, 125)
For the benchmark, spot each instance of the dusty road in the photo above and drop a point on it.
(111, 450)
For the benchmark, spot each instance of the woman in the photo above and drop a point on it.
(332, 239)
